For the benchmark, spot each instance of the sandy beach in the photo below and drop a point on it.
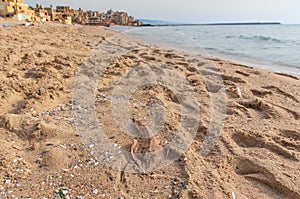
(43, 155)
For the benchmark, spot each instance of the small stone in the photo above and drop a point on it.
(45, 151)
(65, 191)
(62, 146)
(232, 195)
(95, 191)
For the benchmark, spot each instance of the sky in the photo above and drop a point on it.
(194, 11)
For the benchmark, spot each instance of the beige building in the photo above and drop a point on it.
(67, 19)
(51, 12)
(9, 8)
(64, 9)
(120, 18)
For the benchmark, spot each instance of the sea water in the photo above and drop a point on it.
(272, 47)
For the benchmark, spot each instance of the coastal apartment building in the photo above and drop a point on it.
(120, 18)
(41, 14)
(51, 13)
(18, 10)
(64, 9)
(10, 8)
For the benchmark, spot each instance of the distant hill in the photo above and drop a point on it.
(157, 22)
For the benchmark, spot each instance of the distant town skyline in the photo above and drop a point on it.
(194, 11)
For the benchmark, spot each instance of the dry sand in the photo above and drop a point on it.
(256, 156)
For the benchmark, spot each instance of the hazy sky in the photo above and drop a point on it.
(285, 11)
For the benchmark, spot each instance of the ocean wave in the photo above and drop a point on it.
(256, 38)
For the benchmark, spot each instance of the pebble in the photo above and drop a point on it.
(232, 195)
(45, 151)
(65, 191)
(62, 146)
(95, 191)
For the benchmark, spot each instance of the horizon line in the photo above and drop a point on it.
(207, 24)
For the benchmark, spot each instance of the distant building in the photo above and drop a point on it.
(67, 19)
(120, 18)
(41, 14)
(78, 16)
(10, 8)
(64, 9)
(51, 12)
(65, 14)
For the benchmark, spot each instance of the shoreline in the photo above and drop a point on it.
(259, 62)
(42, 153)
